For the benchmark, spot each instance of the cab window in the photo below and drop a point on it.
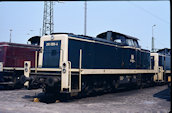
(117, 38)
(130, 42)
(136, 44)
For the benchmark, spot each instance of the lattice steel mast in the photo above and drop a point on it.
(48, 24)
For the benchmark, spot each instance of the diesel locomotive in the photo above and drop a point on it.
(12, 57)
(163, 65)
(77, 64)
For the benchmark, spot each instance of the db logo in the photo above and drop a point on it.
(132, 59)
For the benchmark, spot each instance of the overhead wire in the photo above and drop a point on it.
(150, 13)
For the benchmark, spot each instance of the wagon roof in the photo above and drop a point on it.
(18, 45)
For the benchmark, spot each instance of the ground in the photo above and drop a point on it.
(147, 100)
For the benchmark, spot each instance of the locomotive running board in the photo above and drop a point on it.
(102, 71)
(117, 71)
(52, 69)
(13, 68)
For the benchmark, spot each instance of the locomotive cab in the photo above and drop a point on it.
(35, 40)
(119, 39)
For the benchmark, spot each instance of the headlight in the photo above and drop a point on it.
(26, 69)
(64, 70)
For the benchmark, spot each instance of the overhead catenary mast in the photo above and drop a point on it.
(10, 35)
(48, 24)
(85, 19)
(153, 49)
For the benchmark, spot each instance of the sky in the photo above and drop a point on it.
(134, 18)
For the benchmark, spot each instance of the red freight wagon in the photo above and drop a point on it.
(12, 57)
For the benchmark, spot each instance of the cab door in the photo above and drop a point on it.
(51, 54)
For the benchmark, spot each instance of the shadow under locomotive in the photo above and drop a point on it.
(54, 97)
(164, 94)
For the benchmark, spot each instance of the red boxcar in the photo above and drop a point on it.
(14, 55)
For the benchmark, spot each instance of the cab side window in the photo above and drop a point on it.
(130, 42)
(118, 39)
(136, 44)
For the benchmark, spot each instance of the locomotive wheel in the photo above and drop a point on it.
(29, 87)
(31, 84)
(88, 91)
(115, 84)
(34, 83)
(139, 82)
(16, 83)
(48, 98)
(84, 89)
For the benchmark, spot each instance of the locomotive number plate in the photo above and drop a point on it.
(52, 44)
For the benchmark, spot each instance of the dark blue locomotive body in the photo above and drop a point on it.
(70, 64)
(108, 54)
(163, 58)
(100, 56)
(119, 52)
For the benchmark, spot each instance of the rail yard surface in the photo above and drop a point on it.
(147, 100)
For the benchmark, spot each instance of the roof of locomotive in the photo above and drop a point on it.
(127, 36)
(89, 37)
(97, 39)
(166, 51)
(92, 38)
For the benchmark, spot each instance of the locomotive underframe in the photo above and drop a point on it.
(10, 77)
(79, 74)
(91, 81)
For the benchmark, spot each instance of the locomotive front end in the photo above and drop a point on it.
(54, 55)
(52, 72)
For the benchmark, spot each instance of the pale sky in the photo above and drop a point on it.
(134, 18)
